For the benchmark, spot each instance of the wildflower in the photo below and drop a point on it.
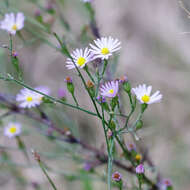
(43, 89)
(140, 169)
(80, 58)
(165, 184)
(143, 94)
(12, 129)
(105, 47)
(109, 89)
(138, 157)
(12, 23)
(131, 147)
(29, 98)
(116, 176)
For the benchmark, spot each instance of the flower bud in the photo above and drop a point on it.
(70, 86)
(112, 125)
(138, 157)
(139, 124)
(116, 176)
(127, 87)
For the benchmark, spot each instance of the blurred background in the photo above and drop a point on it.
(155, 38)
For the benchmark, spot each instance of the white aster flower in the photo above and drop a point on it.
(80, 58)
(12, 129)
(105, 47)
(12, 23)
(29, 98)
(143, 92)
(109, 89)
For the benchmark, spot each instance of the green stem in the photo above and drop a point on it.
(73, 95)
(45, 173)
(88, 73)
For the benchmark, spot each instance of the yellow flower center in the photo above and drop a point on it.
(111, 91)
(29, 99)
(105, 51)
(81, 61)
(145, 98)
(12, 129)
(138, 157)
(14, 27)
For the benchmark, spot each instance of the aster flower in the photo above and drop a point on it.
(12, 129)
(116, 176)
(130, 147)
(29, 98)
(80, 57)
(143, 92)
(165, 184)
(139, 169)
(12, 23)
(109, 89)
(105, 47)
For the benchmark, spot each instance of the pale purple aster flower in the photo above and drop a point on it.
(12, 129)
(165, 184)
(116, 176)
(130, 147)
(105, 47)
(80, 58)
(109, 89)
(139, 169)
(143, 92)
(28, 98)
(12, 23)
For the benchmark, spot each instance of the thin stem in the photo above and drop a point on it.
(88, 73)
(45, 173)
(74, 98)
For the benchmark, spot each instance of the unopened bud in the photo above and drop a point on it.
(127, 87)
(139, 124)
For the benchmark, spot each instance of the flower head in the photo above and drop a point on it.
(12, 129)
(61, 93)
(138, 157)
(130, 147)
(12, 23)
(116, 176)
(105, 47)
(29, 98)
(109, 89)
(139, 169)
(80, 57)
(165, 184)
(123, 79)
(142, 93)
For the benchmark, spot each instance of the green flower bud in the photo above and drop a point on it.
(139, 124)
(143, 107)
(112, 125)
(127, 87)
